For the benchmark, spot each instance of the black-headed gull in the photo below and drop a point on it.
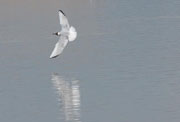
(66, 34)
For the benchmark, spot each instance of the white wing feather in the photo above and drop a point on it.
(59, 47)
(63, 21)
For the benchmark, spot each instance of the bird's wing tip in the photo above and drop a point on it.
(62, 12)
(51, 57)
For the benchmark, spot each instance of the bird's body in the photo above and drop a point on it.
(66, 34)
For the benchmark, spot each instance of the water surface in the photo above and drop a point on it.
(123, 67)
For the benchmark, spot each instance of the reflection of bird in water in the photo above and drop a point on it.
(69, 97)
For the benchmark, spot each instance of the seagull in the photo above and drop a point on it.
(67, 34)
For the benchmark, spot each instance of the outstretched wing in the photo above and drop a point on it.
(59, 47)
(63, 20)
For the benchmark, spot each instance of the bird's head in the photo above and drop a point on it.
(56, 33)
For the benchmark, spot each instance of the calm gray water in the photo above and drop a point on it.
(123, 67)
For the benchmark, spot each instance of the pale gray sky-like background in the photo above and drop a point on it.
(124, 65)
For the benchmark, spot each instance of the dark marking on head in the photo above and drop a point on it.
(62, 12)
(56, 34)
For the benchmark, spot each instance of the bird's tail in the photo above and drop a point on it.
(72, 34)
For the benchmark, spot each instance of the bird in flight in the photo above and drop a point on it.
(67, 34)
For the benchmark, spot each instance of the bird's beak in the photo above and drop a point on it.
(53, 33)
